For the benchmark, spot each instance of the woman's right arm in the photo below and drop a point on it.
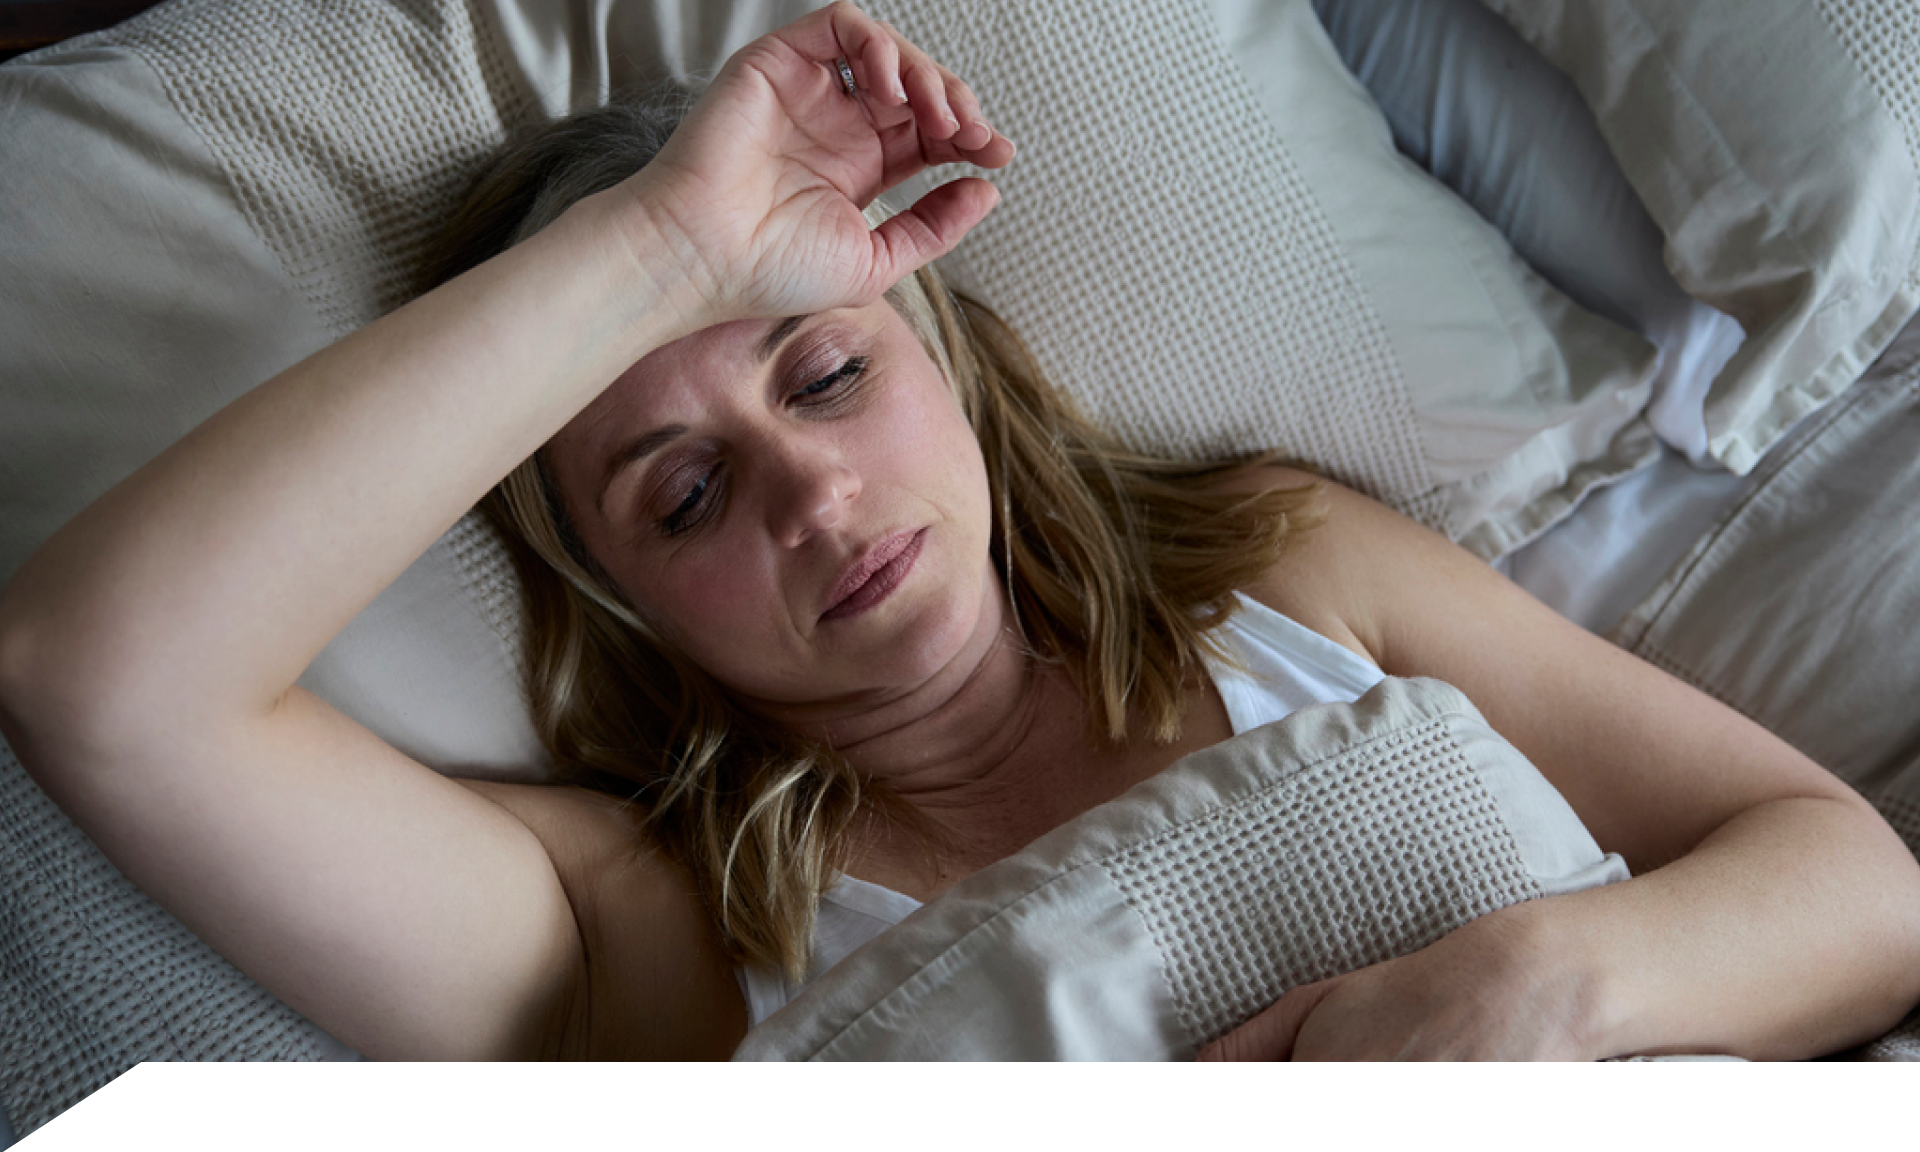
(148, 651)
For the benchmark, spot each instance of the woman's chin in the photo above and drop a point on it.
(916, 639)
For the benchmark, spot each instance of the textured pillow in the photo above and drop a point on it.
(1223, 258)
(1777, 145)
(1340, 836)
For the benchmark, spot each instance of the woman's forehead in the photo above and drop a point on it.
(723, 346)
(676, 381)
(667, 375)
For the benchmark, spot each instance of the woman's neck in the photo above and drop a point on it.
(958, 734)
(985, 747)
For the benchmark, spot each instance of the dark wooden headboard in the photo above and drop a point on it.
(24, 27)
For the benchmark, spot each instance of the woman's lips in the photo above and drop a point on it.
(874, 577)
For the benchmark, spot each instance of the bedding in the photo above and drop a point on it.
(1337, 837)
(1827, 519)
(1468, 99)
(1472, 103)
(1777, 145)
(1385, 333)
(210, 192)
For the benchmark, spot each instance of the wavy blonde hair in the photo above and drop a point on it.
(1117, 567)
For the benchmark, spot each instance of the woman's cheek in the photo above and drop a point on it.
(727, 598)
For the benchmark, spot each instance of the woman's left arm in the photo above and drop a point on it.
(1773, 913)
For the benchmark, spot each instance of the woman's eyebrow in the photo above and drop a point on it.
(779, 334)
(639, 448)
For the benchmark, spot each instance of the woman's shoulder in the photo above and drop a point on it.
(1322, 577)
(656, 981)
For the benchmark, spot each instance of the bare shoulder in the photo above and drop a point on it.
(655, 981)
(1648, 763)
(1329, 576)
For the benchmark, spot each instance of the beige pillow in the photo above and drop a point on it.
(1777, 144)
(1223, 258)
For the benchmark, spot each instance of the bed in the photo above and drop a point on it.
(1650, 355)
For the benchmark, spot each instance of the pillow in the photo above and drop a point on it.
(1474, 104)
(1777, 145)
(1221, 259)
(1340, 836)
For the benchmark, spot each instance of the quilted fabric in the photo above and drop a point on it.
(349, 173)
(1170, 101)
(1397, 835)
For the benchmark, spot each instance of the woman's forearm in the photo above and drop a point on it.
(1791, 931)
(212, 576)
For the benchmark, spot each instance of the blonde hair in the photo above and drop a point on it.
(1117, 566)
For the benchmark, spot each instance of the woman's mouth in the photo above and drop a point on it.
(873, 577)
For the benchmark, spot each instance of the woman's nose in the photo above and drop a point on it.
(811, 491)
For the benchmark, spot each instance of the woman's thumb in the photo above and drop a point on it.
(931, 228)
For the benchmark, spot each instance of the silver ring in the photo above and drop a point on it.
(846, 75)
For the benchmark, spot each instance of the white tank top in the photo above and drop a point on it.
(1288, 667)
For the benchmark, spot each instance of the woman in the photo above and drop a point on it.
(781, 488)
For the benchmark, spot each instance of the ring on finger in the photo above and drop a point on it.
(846, 75)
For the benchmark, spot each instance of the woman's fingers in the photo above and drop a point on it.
(892, 72)
(974, 133)
(927, 92)
(765, 194)
(876, 67)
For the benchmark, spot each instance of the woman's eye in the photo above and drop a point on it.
(851, 370)
(693, 508)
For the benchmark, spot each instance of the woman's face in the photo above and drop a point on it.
(799, 506)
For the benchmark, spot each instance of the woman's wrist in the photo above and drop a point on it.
(1772, 939)
(1594, 996)
(663, 277)
(662, 286)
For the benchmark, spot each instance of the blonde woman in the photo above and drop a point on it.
(833, 587)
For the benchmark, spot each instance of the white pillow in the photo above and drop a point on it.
(1777, 145)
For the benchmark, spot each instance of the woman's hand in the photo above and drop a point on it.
(1495, 989)
(758, 196)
